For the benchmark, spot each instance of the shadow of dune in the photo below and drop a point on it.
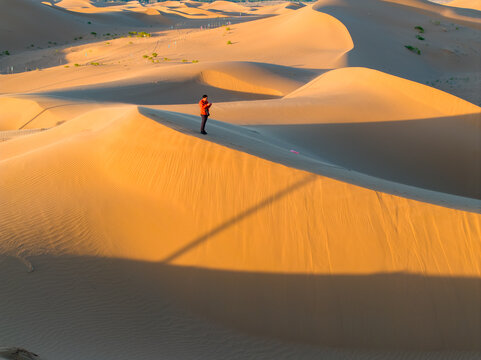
(136, 308)
(440, 154)
(250, 211)
(156, 93)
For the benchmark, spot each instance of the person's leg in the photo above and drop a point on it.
(204, 120)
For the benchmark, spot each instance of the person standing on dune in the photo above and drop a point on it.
(204, 112)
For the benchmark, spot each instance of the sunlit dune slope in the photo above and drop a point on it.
(114, 183)
(467, 4)
(75, 4)
(27, 113)
(225, 6)
(286, 38)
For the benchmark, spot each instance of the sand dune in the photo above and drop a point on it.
(466, 4)
(333, 210)
(226, 81)
(225, 7)
(75, 4)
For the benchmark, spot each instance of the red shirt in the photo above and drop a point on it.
(204, 107)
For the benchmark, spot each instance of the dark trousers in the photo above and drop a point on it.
(204, 120)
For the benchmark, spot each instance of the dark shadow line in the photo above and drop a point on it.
(239, 217)
(41, 112)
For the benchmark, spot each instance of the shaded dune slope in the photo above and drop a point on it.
(56, 24)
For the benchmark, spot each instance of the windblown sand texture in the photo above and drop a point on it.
(332, 211)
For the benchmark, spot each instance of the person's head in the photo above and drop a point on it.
(204, 97)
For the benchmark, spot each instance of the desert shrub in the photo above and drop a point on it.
(166, 59)
(95, 63)
(6, 52)
(229, 42)
(413, 49)
(436, 22)
(145, 56)
(195, 61)
(66, 66)
(139, 34)
(107, 43)
(94, 33)
(184, 60)
(419, 28)
(154, 54)
(227, 28)
(419, 37)
(76, 65)
(89, 22)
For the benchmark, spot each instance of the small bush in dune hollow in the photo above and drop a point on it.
(229, 42)
(76, 65)
(184, 60)
(145, 56)
(154, 54)
(419, 37)
(227, 28)
(95, 63)
(195, 61)
(419, 28)
(413, 49)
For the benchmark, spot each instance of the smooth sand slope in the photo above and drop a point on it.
(125, 234)
(466, 4)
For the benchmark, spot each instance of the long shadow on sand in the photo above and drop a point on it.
(157, 93)
(96, 305)
(250, 211)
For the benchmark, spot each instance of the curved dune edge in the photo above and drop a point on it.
(225, 81)
(466, 4)
(265, 206)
